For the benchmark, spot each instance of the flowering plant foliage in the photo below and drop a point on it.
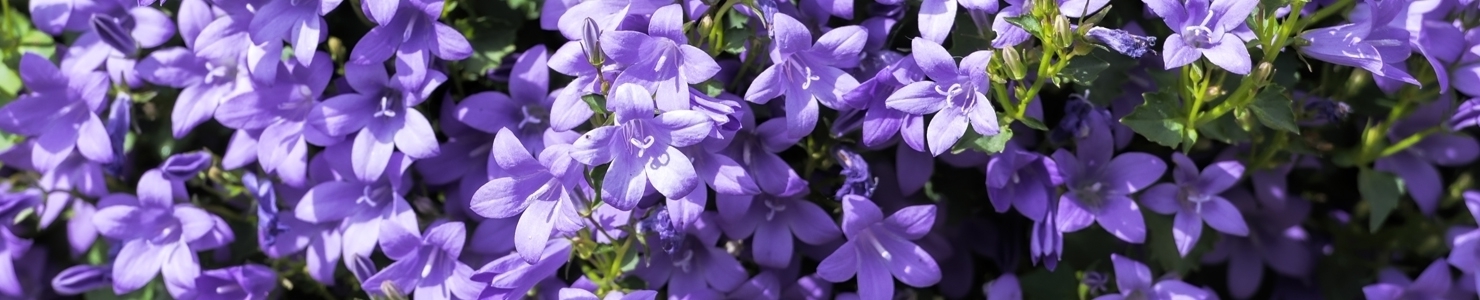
(739, 149)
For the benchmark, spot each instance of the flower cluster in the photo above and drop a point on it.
(739, 149)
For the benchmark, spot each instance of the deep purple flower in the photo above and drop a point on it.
(1392, 284)
(880, 122)
(955, 94)
(60, 113)
(695, 268)
(510, 277)
(545, 193)
(281, 234)
(1194, 198)
(660, 61)
(158, 235)
(1204, 29)
(1417, 164)
(426, 267)
(249, 281)
(807, 73)
(1135, 282)
(360, 208)
(774, 220)
(383, 117)
(1275, 239)
(1370, 44)
(413, 36)
(299, 22)
(1022, 179)
(642, 148)
(1099, 188)
(880, 249)
(856, 177)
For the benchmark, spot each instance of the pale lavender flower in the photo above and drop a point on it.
(1135, 282)
(12, 251)
(643, 149)
(426, 267)
(409, 32)
(1204, 29)
(81, 279)
(359, 208)
(544, 193)
(382, 115)
(296, 21)
(607, 14)
(249, 281)
(158, 235)
(280, 112)
(1194, 199)
(510, 277)
(60, 113)
(660, 61)
(955, 94)
(1368, 44)
(807, 73)
(879, 249)
(580, 294)
(773, 221)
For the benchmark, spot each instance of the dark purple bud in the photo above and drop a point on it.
(1330, 111)
(118, 125)
(268, 224)
(1080, 118)
(361, 267)
(111, 31)
(856, 177)
(591, 43)
(1096, 281)
(180, 167)
(1123, 41)
(80, 279)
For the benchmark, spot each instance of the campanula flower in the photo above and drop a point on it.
(1194, 198)
(957, 95)
(807, 73)
(543, 193)
(1099, 188)
(382, 115)
(643, 148)
(158, 235)
(426, 266)
(1135, 282)
(880, 249)
(660, 61)
(60, 113)
(1204, 28)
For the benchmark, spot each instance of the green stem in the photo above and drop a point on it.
(1046, 68)
(1325, 12)
(1409, 141)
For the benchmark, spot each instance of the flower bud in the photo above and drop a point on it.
(80, 279)
(113, 34)
(1062, 31)
(181, 167)
(1014, 62)
(117, 127)
(591, 42)
(1122, 42)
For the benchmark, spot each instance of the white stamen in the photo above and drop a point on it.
(385, 108)
(683, 261)
(874, 240)
(950, 92)
(426, 270)
(809, 78)
(1016, 178)
(659, 66)
(227, 289)
(775, 207)
(642, 145)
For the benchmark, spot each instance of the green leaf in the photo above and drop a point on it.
(597, 102)
(1027, 23)
(1033, 123)
(10, 83)
(1272, 108)
(712, 87)
(1157, 119)
(1085, 69)
(993, 144)
(492, 37)
(630, 260)
(1225, 129)
(1381, 189)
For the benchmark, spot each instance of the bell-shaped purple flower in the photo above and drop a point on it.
(1099, 188)
(773, 221)
(60, 113)
(413, 36)
(1204, 28)
(1433, 283)
(249, 281)
(807, 73)
(1275, 239)
(957, 95)
(359, 208)
(544, 193)
(426, 267)
(382, 115)
(510, 277)
(80, 279)
(1022, 179)
(525, 111)
(1194, 198)
(1135, 282)
(694, 268)
(879, 249)
(643, 149)
(299, 22)
(1370, 44)
(660, 61)
(158, 235)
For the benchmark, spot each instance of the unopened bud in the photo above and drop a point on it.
(1263, 72)
(1014, 62)
(591, 42)
(1063, 32)
(113, 34)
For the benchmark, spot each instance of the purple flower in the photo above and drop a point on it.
(756, 148)
(1194, 198)
(359, 208)
(280, 112)
(428, 267)
(12, 252)
(695, 268)
(1369, 44)
(296, 21)
(510, 277)
(807, 73)
(955, 94)
(1434, 283)
(158, 236)
(1417, 164)
(1122, 41)
(281, 233)
(81, 279)
(774, 220)
(879, 248)
(249, 281)
(938, 16)
(607, 14)
(1003, 288)
(545, 193)
(1275, 239)
(381, 113)
(661, 61)
(880, 122)
(1203, 29)
(643, 149)
(1134, 281)
(409, 31)
(580, 294)
(1022, 179)
(60, 113)
(1099, 188)
(568, 110)
(525, 110)
(856, 177)
(1466, 244)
